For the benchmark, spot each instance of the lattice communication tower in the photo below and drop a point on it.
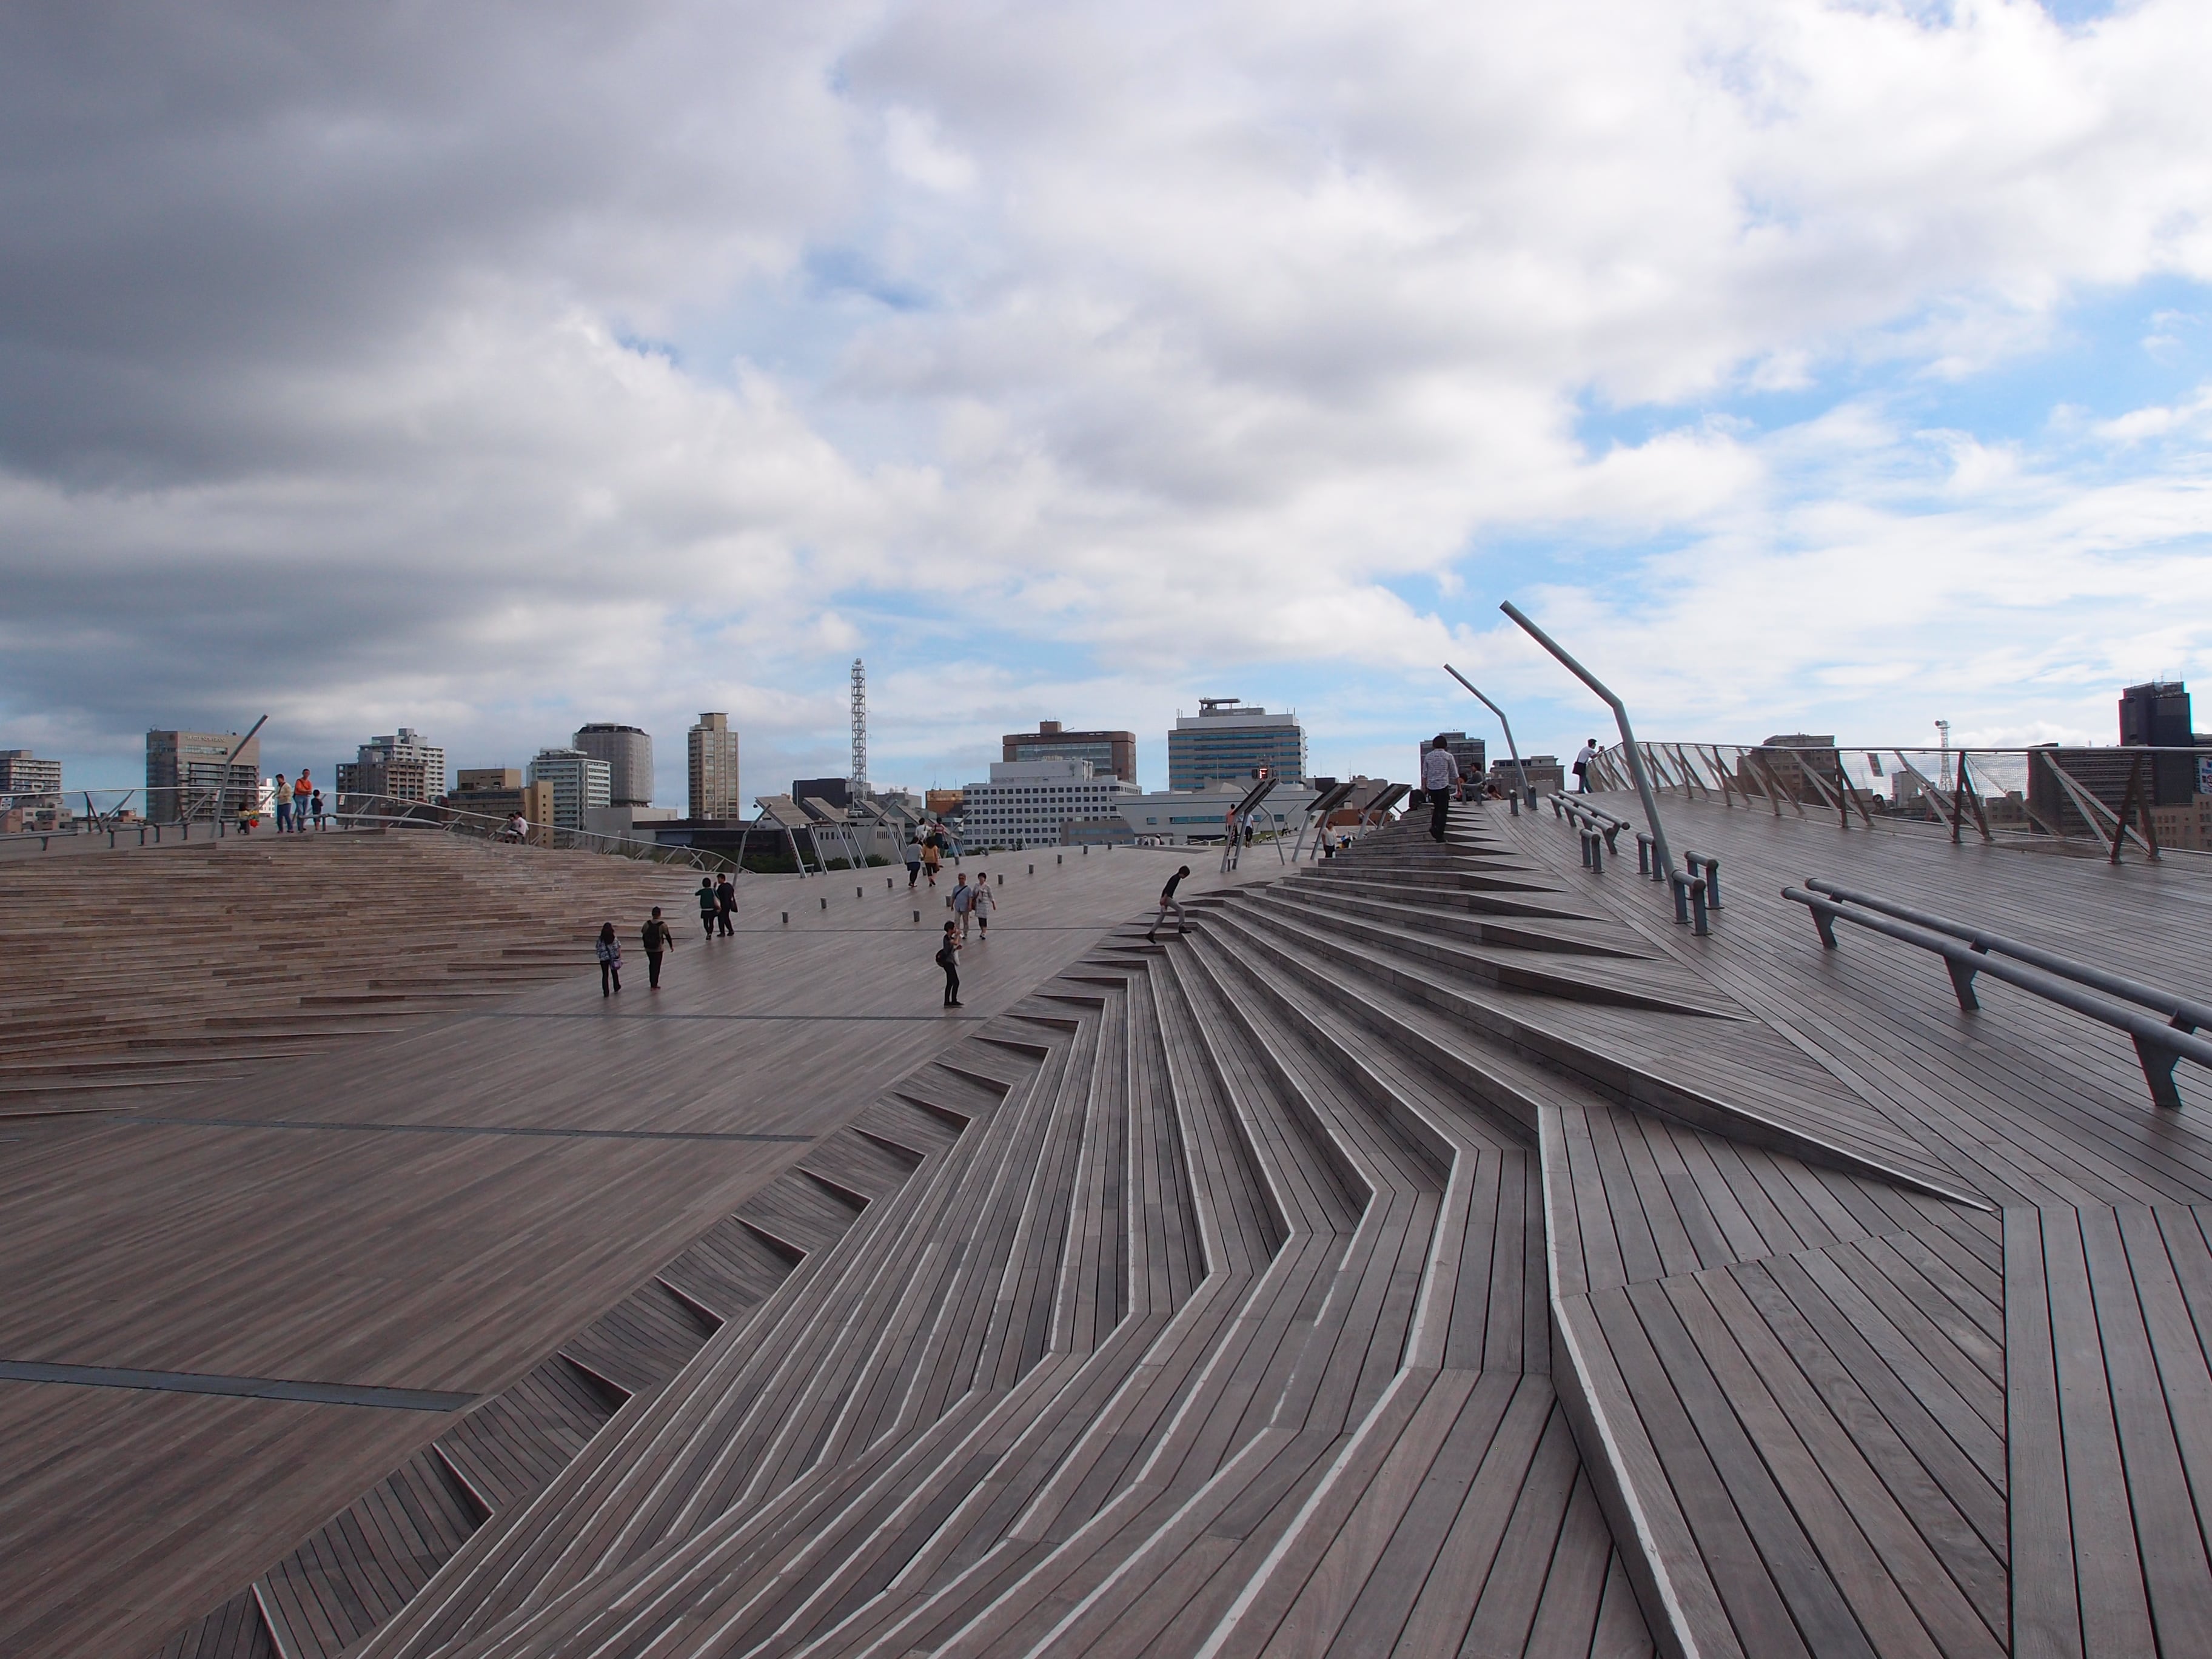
(859, 780)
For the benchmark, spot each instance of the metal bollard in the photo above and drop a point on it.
(1057, 859)
(825, 904)
(856, 893)
(1514, 800)
(917, 915)
(787, 918)
(1710, 868)
(1597, 853)
(1585, 849)
(1698, 909)
(1033, 869)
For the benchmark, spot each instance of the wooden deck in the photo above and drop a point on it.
(1438, 1251)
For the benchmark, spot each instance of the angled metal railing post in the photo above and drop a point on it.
(1633, 755)
(1520, 772)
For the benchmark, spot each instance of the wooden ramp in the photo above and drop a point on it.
(1433, 1251)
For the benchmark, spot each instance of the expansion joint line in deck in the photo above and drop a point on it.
(457, 1129)
(245, 1388)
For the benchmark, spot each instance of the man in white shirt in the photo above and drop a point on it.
(1440, 778)
(1583, 763)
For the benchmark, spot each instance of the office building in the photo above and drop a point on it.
(831, 791)
(2158, 714)
(185, 774)
(714, 771)
(1185, 817)
(22, 773)
(1111, 754)
(1226, 742)
(628, 751)
(400, 767)
(498, 791)
(942, 803)
(579, 784)
(1470, 752)
(1032, 803)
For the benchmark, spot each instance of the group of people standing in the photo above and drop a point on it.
(297, 804)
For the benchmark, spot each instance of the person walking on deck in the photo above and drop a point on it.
(1584, 763)
(302, 789)
(282, 792)
(1440, 777)
(948, 959)
(914, 860)
(658, 939)
(610, 955)
(1168, 902)
(982, 904)
(710, 906)
(726, 898)
(964, 904)
(933, 856)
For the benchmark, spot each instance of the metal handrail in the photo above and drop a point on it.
(2186, 1014)
(2158, 1046)
(452, 820)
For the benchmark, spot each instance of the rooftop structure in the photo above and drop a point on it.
(1433, 1250)
(1225, 741)
(628, 751)
(1111, 754)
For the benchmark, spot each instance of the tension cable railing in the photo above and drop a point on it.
(1968, 951)
(2112, 796)
(386, 811)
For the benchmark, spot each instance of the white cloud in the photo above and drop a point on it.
(1147, 336)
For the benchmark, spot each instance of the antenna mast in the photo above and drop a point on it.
(858, 784)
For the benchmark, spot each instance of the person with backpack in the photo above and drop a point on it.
(710, 905)
(658, 938)
(725, 897)
(609, 954)
(948, 959)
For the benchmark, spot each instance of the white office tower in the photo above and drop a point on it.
(1031, 803)
(398, 767)
(580, 783)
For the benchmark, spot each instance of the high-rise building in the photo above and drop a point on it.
(2158, 714)
(1471, 753)
(1225, 742)
(1111, 754)
(400, 767)
(579, 783)
(628, 751)
(22, 773)
(184, 775)
(715, 770)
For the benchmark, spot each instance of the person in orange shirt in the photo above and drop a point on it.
(302, 791)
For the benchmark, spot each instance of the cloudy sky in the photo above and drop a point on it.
(488, 368)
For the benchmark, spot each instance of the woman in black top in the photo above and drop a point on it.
(948, 959)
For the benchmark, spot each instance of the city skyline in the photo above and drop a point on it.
(1868, 385)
